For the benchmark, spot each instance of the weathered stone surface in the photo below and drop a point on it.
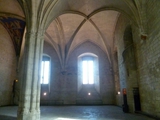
(123, 34)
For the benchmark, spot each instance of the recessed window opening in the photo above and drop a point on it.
(88, 69)
(45, 70)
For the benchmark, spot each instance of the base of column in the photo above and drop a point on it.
(24, 115)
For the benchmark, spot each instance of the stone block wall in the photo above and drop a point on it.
(63, 86)
(120, 28)
(8, 67)
(126, 61)
(107, 89)
(53, 89)
(148, 56)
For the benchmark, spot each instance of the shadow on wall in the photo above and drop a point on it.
(3, 117)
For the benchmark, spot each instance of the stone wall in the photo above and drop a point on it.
(148, 55)
(63, 86)
(56, 81)
(126, 61)
(8, 67)
(107, 90)
(120, 28)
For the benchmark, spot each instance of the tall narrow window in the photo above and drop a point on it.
(88, 71)
(45, 70)
(87, 66)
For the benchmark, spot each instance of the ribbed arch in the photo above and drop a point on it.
(132, 18)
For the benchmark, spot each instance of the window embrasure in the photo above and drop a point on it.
(45, 69)
(88, 70)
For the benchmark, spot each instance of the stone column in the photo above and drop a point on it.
(29, 104)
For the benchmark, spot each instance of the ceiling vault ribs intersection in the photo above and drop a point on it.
(100, 15)
(69, 45)
(99, 32)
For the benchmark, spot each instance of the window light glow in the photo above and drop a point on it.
(45, 72)
(88, 72)
(89, 93)
(45, 94)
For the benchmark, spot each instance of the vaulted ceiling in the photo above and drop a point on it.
(78, 21)
(69, 23)
(73, 29)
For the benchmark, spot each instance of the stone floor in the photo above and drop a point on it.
(76, 113)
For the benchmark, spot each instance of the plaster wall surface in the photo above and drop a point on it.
(8, 66)
(12, 7)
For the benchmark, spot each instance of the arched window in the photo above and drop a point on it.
(88, 70)
(45, 69)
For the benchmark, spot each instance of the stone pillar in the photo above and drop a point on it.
(29, 104)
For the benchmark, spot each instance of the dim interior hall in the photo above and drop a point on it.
(79, 52)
